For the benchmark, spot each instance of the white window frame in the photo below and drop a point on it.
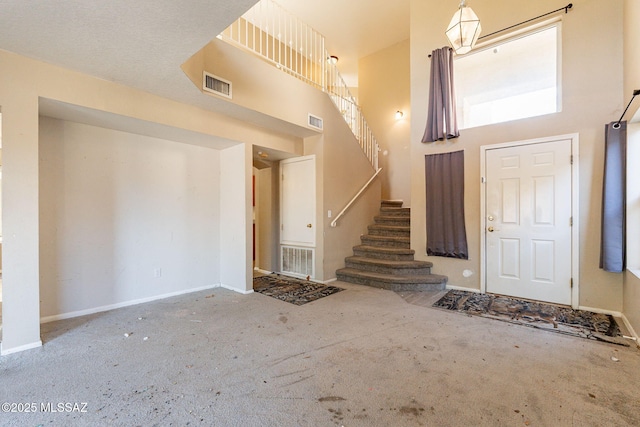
(514, 35)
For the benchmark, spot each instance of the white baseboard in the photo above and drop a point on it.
(103, 308)
(633, 333)
(460, 288)
(240, 291)
(30, 346)
(601, 311)
(262, 271)
(326, 282)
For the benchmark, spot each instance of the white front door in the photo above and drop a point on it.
(528, 220)
(298, 206)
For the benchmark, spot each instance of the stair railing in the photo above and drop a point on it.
(277, 36)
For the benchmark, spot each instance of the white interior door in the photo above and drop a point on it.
(298, 207)
(528, 221)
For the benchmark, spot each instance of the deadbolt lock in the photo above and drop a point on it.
(490, 218)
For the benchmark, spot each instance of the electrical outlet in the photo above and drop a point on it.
(329, 213)
(157, 273)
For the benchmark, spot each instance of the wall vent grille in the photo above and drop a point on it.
(217, 85)
(297, 261)
(315, 122)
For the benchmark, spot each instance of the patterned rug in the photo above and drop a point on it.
(564, 320)
(292, 290)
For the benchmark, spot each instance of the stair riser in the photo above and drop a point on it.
(389, 233)
(385, 243)
(382, 255)
(402, 212)
(396, 221)
(396, 271)
(393, 286)
(391, 203)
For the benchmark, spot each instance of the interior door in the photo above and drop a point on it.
(298, 206)
(528, 221)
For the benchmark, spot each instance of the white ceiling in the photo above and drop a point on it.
(354, 29)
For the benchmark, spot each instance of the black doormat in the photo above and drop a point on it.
(564, 320)
(292, 290)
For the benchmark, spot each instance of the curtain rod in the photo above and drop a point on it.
(565, 8)
(616, 125)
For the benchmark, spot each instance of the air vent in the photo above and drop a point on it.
(215, 84)
(315, 122)
(297, 261)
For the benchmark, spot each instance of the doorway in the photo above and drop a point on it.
(298, 213)
(529, 219)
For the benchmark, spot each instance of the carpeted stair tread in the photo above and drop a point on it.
(389, 263)
(392, 203)
(384, 252)
(392, 282)
(382, 219)
(385, 249)
(385, 227)
(396, 241)
(395, 211)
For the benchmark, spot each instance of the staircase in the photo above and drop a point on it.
(385, 259)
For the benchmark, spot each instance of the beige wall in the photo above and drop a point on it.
(592, 87)
(106, 197)
(631, 54)
(384, 89)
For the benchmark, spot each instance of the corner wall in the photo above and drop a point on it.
(384, 88)
(592, 86)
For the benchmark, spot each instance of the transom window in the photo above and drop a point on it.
(509, 80)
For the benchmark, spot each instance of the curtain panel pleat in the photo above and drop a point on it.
(614, 190)
(444, 178)
(441, 117)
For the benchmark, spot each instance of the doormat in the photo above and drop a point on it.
(564, 320)
(292, 290)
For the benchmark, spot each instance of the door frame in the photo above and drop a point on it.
(575, 214)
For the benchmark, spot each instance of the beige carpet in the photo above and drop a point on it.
(361, 357)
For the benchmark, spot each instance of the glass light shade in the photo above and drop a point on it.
(464, 30)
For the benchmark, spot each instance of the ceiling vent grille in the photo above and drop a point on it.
(315, 122)
(217, 85)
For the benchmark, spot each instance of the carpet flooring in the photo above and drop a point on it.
(555, 318)
(291, 290)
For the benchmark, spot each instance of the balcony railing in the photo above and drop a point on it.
(279, 37)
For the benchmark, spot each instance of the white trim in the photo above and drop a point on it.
(633, 333)
(461, 288)
(259, 270)
(326, 282)
(103, 308)
(240, 291)
(575, 204)
(600, 311)
(33, 345)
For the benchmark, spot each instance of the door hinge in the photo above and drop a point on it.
(570, 221)
(571, 282)
(482, 179)
(571, 159)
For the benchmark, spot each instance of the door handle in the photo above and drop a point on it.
(490, 229)
(309, 226)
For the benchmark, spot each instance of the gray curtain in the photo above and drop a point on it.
(614, 190)
(441, 118)
(446, 233)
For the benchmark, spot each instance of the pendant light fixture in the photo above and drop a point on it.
(464, 29)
